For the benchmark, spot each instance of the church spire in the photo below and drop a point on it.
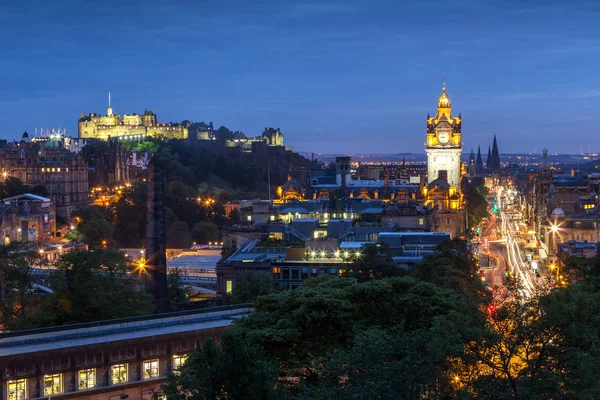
(479, 162)
(495, 156)
(488, 161)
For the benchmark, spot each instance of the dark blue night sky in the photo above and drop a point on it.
(335, 76)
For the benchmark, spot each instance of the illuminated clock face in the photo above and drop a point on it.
(444, 137)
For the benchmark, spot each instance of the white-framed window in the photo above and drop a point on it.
(150, 369)
(179, 360)
(86, 379)
(53, 384)
(118, 373)
(16, 389)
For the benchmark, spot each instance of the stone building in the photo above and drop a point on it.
(110, 168)
(47, 163)
(129, 126)
(27, 218)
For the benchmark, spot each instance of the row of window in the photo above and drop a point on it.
(53, 169)
(287, 273)
(86, 378)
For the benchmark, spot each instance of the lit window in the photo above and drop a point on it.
(249, 217)
(42, 169)
(17, 389)
(118, 373)
(229, 287)
(52, 384)
(178, 361)
(67, 169)
(53, 169)
(151, 369)
(421, 221)
(58, 169)
(87, 378)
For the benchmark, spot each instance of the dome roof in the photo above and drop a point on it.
(51, 143)
(444, 100)
(557, 213)
(25, 135)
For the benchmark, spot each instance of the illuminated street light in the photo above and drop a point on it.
(313, 254)
(323, 253)
(337, 254)
(554, 228)
(72, 227)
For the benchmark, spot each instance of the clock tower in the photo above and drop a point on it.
(444, 143)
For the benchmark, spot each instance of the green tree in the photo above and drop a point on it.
(94, 225)
(475, 197)
(130, 216)
(204, 232)
(452, 267)
(17, 299)
(13, 187)
(374, 262)
(251, 285)
(149, 146)
(178, 293)
(235, 370)
(74, 235)
(300, 329)
(178, 235)
(91, 286)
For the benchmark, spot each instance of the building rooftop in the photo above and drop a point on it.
(68, 336)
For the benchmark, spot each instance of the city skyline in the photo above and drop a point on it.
(333, 75)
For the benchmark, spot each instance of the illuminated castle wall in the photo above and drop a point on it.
(130, 126)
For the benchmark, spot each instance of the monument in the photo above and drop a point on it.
(156, 242)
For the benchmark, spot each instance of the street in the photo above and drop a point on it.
(501, 252)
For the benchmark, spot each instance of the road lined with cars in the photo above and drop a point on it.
(500, 251)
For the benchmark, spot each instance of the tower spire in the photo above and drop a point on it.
(444, 86)
(109, 99)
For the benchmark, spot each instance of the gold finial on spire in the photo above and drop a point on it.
(444, 87)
